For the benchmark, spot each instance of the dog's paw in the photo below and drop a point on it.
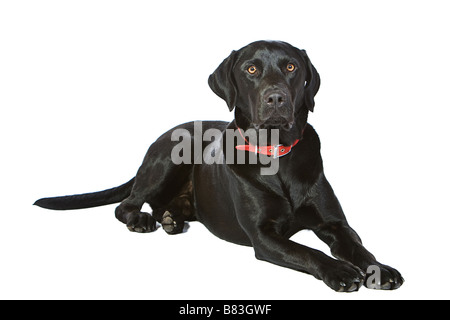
(140, 222)
(342, 276)
(383, 277)
(170, 224)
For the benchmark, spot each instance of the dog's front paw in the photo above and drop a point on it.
(383, 277)
(342, 276)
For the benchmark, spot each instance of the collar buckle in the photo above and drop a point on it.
(276, 151)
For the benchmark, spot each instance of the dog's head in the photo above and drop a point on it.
(268, 82)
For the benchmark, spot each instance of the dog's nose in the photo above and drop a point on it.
(275, 99)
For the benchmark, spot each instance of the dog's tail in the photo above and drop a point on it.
(87, 200)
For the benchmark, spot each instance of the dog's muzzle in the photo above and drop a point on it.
(276, 110)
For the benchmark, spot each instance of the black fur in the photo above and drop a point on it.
(87, 200)
(269, 85)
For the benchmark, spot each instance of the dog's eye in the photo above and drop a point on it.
(290, 67)
(252, 69)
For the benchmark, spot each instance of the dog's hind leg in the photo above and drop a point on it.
(144, 189)
(169, 189)
(158, 182)
(147, 183)
(173, 216)
(129, 212)
(158, 185)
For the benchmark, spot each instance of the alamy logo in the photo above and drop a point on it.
(374, 280)
(190, 148)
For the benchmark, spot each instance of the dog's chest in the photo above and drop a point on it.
(287, 188)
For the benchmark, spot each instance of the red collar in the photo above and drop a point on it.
(275, 151)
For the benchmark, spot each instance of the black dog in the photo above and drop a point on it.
(271, 85)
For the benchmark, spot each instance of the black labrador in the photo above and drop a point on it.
(271, 86)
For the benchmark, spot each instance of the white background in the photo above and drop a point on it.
(87, 86)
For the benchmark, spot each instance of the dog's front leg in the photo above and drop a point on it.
(272, 247)
(344, 242)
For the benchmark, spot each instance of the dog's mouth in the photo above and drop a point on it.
(269, 117)
(275, 122)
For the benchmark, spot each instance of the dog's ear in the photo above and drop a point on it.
(312, 82)
(222, 81)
